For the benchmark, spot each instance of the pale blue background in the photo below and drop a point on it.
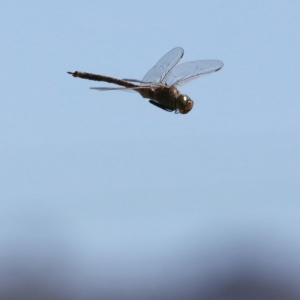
(105, 192)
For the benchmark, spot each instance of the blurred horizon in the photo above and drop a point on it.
(106, 196)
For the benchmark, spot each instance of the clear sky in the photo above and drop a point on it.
(103, 191)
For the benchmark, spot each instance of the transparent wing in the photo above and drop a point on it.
(164, 66)
(186, 72)
(135, 89)
(143, 82)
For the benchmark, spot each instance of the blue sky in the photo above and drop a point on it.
(113, 193)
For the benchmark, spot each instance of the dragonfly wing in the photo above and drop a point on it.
(101, 89)
(164, 66)
(129, 89)
(155, 84)
(186, 72)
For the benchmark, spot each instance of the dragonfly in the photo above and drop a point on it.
(160, 84)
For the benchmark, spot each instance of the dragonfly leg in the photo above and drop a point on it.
(160, 106)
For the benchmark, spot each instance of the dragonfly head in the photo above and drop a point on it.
(184, 103)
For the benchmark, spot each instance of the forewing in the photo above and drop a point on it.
(186, 72)
(164, 66)
(155, 84)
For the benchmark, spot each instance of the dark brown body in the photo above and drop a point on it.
(164, 95)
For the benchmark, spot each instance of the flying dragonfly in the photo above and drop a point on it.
(160, 84)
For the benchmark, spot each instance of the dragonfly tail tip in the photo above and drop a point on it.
(74, 74)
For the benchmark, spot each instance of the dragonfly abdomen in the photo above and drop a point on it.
(108, 79)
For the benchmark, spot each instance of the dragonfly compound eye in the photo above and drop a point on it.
(184, 104)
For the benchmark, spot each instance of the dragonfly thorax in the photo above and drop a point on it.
(184, 103)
